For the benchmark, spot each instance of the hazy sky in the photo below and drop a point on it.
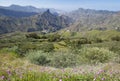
(67, 4)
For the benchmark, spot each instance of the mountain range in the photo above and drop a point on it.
(29, 19)
(89, 19)
(40, 22)
(14, 7)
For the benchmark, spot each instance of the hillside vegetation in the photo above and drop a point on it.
(68, 56)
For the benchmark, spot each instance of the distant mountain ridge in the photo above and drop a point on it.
(89, 19)
(18, 14)
(25, 11)
(30, 19)
(42, 22)
(81, 12)
(30, 9)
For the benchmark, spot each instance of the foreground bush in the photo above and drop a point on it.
(56, 59)
(38, 57)
(71, 59)
(64, 59)
(96, 55)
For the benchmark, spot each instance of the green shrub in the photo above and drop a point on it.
(115, 48)
(32, 35)
(84, 41)
(73, 33)
(63, 59)
(43, 37)
(67, 41)
(25, 47)
(116, 38)
(76, 43)
(97, 40)
(46, 47)
(54, 38)
(54, 59)
(70, 59)
(38, 57)
(96, 55)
